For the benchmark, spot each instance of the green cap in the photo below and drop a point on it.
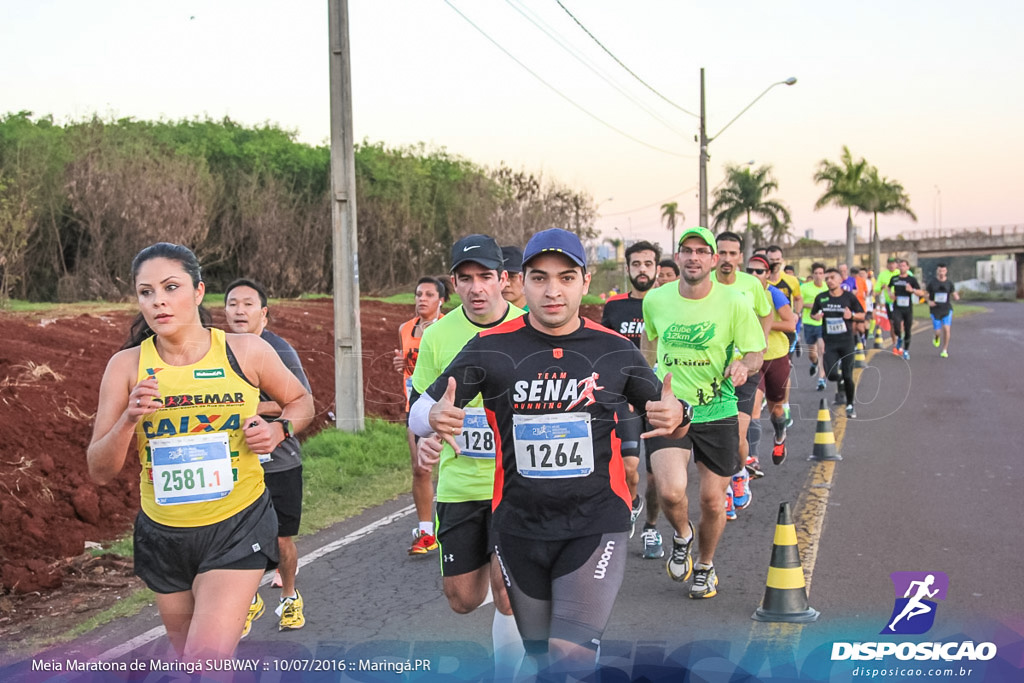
(703, 233)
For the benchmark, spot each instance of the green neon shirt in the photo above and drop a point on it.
(809, 291)
(696, 339)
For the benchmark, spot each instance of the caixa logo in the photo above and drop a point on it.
(914, 609)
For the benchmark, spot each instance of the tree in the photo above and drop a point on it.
(879, 195)
(670, 213)
(843, 188)
(745, 194)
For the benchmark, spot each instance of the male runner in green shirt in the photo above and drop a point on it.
(692, 331)
(812, 328)
(465, 483)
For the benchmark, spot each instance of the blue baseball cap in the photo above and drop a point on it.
(556, 239)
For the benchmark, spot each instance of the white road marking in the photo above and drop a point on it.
(154, 633)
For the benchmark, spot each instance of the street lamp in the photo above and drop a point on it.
(705, 141)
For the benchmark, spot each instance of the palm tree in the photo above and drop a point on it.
(670, 213)
(843, 187)
(744, 194)
(879, 195)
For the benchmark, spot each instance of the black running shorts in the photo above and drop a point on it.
(561, 589)
(286, 493)
(463, 533)
(716, 444)
(745, 393)
(169, 558)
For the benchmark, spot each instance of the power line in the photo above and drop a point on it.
(649, 206)
(619, 62)
(559, 92)
(560, 41)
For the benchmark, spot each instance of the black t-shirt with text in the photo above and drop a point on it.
(625, 315)
(903, 287)
(551, 403)
(942, 294)
(834, 328)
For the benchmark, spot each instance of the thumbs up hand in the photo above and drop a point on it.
(668, 413)
(445, 418)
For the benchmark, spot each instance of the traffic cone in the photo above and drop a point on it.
(785, 593)
(824, 438)
(878, 337)
(858, 355)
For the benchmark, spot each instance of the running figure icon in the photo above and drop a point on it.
(915, 607)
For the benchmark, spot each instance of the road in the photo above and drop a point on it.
(929, 481)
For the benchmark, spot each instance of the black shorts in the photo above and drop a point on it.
(561, 589)
(286, 493)
(745, 393)
(715, 443)
(464, 536)
(168, 558)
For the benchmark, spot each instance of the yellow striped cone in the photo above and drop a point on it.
(858, 355)
(878, 337)
(785, 595)
(824, 438)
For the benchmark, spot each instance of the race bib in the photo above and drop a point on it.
(554, 446)
(476, 439)
(941, 297)
(191, 469)
(903, 301)
(835, 326)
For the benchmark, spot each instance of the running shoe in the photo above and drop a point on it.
(705, 582)
(840, 397)
(753, 467)
(730, 507)
(821, 384)
(290, 610)
(850, 410)
(423, 544)
(944, 354)
(739, 487)
(779, 453)
(638, 507)
(906, 355)
(653, 547)
(936, 342)
(256, 610)
(680, 564)
(814, 369)
(896, 351)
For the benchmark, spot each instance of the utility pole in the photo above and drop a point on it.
(348, 345)
(703, 177)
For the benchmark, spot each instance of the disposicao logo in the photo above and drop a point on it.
(915, 606)
(913, 613)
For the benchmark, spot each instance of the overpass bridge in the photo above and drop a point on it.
(913, 245)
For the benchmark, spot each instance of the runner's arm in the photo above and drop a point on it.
(117, 414)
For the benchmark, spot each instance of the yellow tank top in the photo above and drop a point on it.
(196, 466)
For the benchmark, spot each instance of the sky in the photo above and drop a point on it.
(930, 93)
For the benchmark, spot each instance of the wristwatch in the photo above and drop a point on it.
(286, 425)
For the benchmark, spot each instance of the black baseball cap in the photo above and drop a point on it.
(513, 256)
(478, 249)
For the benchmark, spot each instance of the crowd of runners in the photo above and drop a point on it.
(534, 419)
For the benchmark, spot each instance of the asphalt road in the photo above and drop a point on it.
(930, 481)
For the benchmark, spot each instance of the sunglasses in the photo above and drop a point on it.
(757, 271)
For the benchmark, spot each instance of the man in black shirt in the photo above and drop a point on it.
(941, 294)
(551, 384)
(902, 288)
(838, 310)
(624, 313)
